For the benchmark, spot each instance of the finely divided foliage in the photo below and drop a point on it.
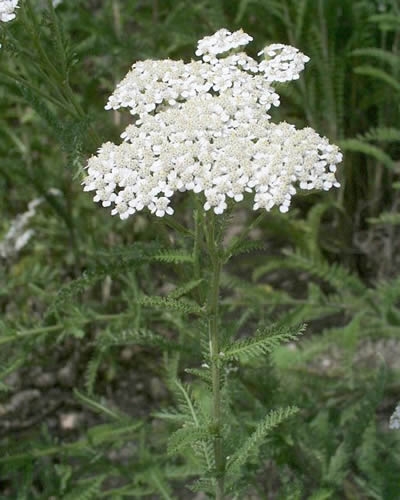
(203, 127)
(200, 126)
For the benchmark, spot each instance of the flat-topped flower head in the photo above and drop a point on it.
(7, 10)
(204, 127)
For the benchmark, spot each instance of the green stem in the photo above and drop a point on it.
(35, 89)
(32, 25)
(239, 240)
(197, 249)
(56, 74)
(174, 224)
(30, 333)
(6, 339)
(214, 250)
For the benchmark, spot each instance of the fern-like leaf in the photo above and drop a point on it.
(90, 490)
(392, 219)
(362, 147)
(382, 134)
(189, 407)
(203, 485)
(184, 306)
(336, 275)
(158, 482)
(105, 433)
(185, 402)
(10, 367)
(185, 289)
(264, 341)
(99, 407)
(116, 262)
(171, 256)
(386, 22)
(253, 442)
(379, 75)
(379, 54)
(141, 337)
(92, 370)
(187, 436)
(247, 247)
(203, 374)
(368, 455)
(338, 466)
(322, 494)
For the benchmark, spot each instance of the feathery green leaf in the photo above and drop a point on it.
(183, 306)
(378, 75)
(362, 147)
(263, 342)
(255, 441)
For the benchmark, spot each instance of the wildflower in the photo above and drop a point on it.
(18, 235)
(7, 8)
(204, 127)
(395, 418)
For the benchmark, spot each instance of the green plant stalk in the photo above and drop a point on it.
(35, 89)
(56, 75)
(244, 234)
(60, 326)
(216, 257)
(198, 247)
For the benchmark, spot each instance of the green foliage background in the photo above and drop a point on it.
(92, 284)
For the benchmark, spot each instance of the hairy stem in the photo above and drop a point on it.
(213, 244)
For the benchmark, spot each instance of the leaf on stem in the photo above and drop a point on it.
(98, 406)
(253, 442)
(183, 306)
(187, 436)
(141, 337)
(263, 342)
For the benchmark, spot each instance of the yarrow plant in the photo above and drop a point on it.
(204, 127)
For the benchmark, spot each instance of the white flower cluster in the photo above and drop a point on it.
(282, 62)
(222, 41)
(19, 234)
(7, 10)
(395, 418)
(203, 127)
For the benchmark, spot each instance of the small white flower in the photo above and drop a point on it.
(160, 206)
(7, 10)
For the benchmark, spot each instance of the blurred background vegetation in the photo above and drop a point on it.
(77, 398)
